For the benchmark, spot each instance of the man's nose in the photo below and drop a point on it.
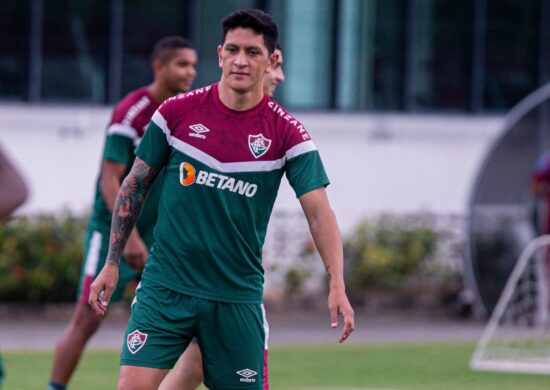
(241, 59)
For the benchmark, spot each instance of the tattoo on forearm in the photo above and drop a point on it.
(128, 205)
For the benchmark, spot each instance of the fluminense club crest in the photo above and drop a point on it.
(135, 341)
(258, 144)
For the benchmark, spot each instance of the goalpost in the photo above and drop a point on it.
(517, 336)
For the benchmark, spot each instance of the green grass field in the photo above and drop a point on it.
(403, 366)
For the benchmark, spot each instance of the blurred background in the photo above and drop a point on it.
(475, 56)
(408, 101)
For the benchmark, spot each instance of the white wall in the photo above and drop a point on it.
(398, 163)
(376, 162)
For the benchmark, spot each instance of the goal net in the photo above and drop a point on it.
(517, 336)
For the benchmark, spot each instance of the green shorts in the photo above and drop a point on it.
(232, 336)
(95, 253)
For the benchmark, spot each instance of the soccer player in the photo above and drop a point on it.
(187, 373)
(173, 62)
(13, 192)
(224, 149)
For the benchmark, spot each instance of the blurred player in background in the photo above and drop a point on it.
(276, 75)
(187, 373)
(13, 192)
(173, 61)
(540, 188)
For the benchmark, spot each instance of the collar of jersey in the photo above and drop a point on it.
(226, 109)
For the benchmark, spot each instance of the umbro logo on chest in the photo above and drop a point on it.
(199, 131)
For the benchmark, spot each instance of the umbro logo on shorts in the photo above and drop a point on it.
(247, 375)
(198, 129)
(135, 341)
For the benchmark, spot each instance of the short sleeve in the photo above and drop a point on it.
(305, 172)
(119, 149)
(120, 142)
(304, 169)
(154, 147)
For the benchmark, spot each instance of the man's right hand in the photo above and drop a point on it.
(136, 251)
(102, 288)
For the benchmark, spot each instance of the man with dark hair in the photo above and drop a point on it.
(224, 149)
(255, 20)
(187, 373)
(173, 62)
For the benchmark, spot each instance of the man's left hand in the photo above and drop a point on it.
(338, 304)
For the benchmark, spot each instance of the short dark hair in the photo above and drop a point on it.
(165, 47)
(258, 21)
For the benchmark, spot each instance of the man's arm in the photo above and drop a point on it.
(127, 208)
(13, 191)
(325, 232)
(109, 183)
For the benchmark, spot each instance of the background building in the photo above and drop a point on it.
(377, 55)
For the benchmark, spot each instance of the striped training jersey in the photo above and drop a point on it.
(126, 128)
(223, 170)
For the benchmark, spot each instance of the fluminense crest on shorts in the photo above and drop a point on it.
(135, 341)
(258, 144)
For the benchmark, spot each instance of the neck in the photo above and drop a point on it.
(239, 101)
(159, 92)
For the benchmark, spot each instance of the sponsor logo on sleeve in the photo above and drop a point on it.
(287, 117)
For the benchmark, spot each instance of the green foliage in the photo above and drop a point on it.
(301, 270)
(40, 258)
(294, 281)
(385, 252)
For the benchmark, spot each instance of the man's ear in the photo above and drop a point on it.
(219, 50)
(158, 64)
(272, 62)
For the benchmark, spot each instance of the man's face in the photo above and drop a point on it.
(244, 59)
(180, 71)
(276, 76)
